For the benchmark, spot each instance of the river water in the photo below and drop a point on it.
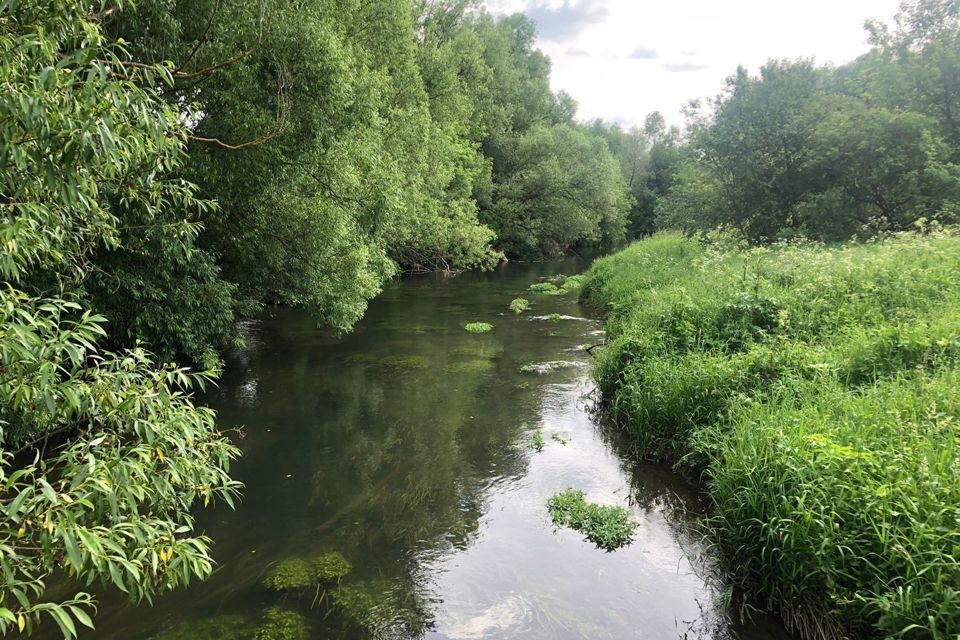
(406, 447)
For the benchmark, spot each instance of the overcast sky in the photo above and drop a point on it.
(622, 59)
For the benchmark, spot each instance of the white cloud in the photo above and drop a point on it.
(622, 59)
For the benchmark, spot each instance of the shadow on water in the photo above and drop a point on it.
(404, 446)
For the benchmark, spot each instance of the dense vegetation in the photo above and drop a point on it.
(812, 385)
(168, 166)
(814, 388)
(342, 142)
(800, 150)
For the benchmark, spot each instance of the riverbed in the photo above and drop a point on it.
(407, 447)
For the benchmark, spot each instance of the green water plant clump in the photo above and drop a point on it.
(536, 441)
(282, 624)
(608, 527)
(814, 389)
(298, 574)
(544, 287)
(290, 575)
(331, 567)
(519, 305)
(478, 327)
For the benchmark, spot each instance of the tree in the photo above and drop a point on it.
(102, 455)
(563, 189)
(879, 170)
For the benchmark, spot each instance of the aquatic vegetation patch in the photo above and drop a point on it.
(281, 624)
(519, 305)
(547, 288)
(299, 574)
(608, 527)
(556, 437)
(404, 363)
(478, 327)
(384, 608)
(331, 567)
(547, 367)
(234, 627)
(291, 574)
(536, 441)
(476, 366)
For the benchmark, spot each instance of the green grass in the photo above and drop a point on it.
(814, 388)
(607, 527)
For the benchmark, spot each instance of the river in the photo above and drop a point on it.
(405, 446)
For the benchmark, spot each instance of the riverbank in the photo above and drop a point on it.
(813, 391)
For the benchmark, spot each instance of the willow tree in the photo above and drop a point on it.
(102, 455)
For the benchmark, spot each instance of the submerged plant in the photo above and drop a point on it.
(478, 327)
(281, 624)
(384, 608)
(331, 567)
(536, 441)
(299, 574)
(519, 305)
(404, 363)
(290, 575)
(234, 627)
(476, 366)
(607, 527)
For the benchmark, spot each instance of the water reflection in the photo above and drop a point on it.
(405, 447)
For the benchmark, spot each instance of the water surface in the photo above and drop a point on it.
(405, 446)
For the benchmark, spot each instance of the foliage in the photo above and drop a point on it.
(812, 386)
(519, 305)
(832, 154)
(610, 528)
(478, 327)
(562, 189)
(102, 455)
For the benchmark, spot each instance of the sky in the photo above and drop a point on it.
(622, 59)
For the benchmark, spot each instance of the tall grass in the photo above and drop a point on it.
(815, 388)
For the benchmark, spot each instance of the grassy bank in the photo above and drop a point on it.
(816, 390)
